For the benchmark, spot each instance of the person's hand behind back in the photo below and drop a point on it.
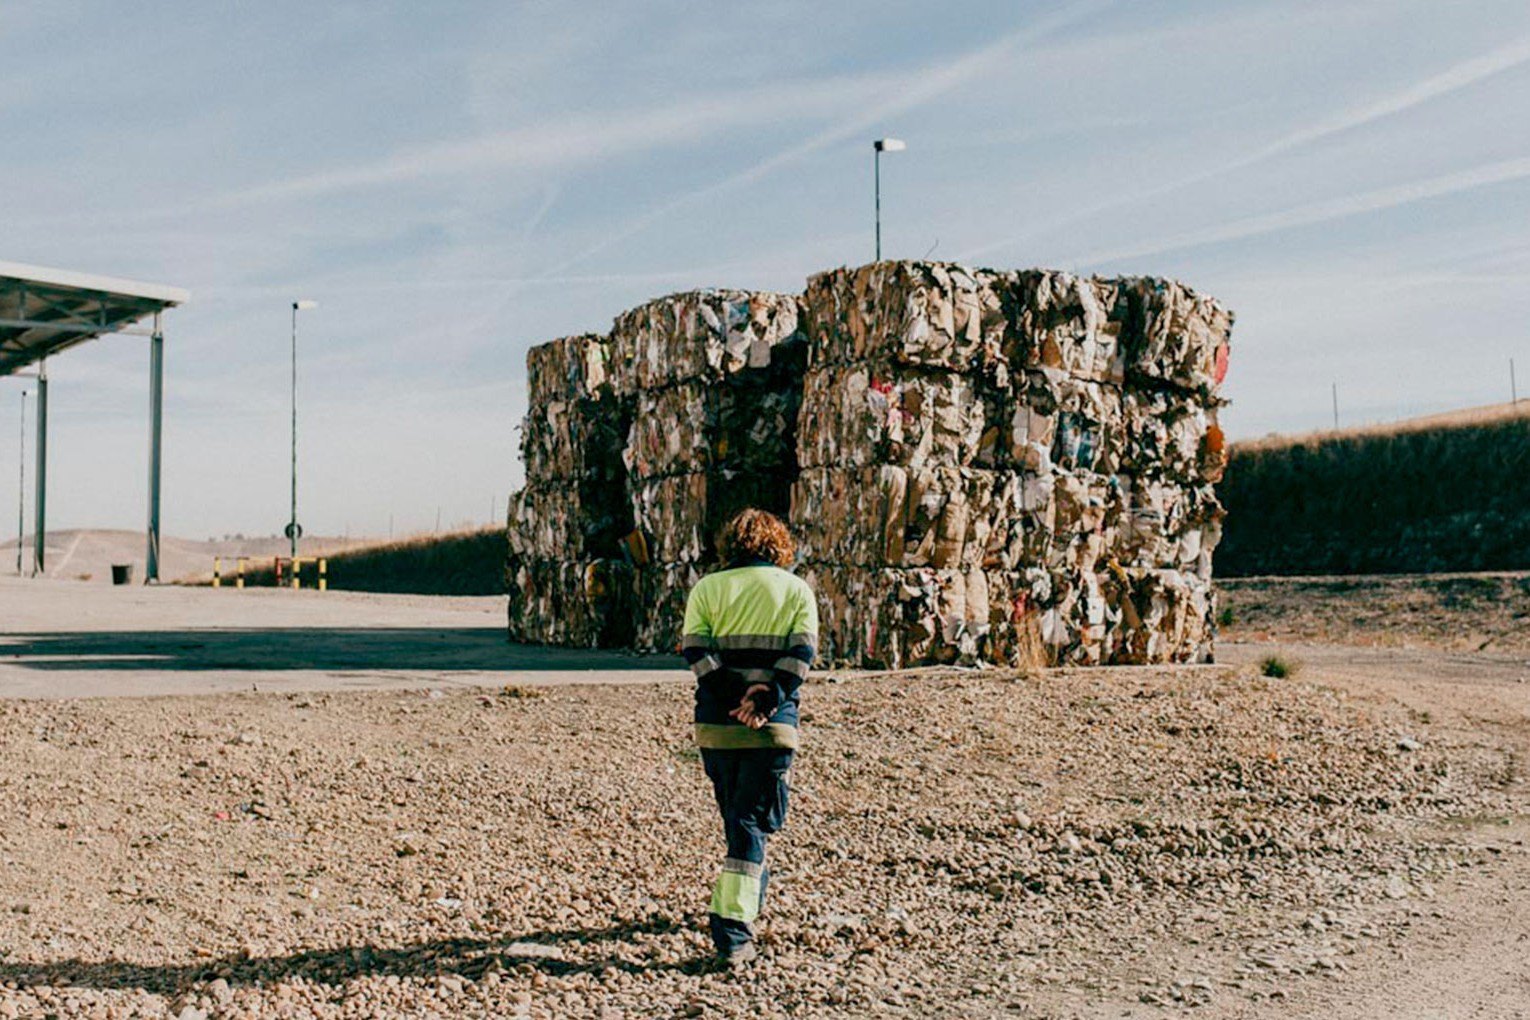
(749, 711)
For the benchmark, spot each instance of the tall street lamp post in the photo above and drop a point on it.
(880, 146)
(293, 531)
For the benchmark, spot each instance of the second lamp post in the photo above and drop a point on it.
(880, 146)
(293, 531)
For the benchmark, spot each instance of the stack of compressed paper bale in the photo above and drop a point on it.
(1003, 467)
(1008, 467)
(638, 446)
(715, 376)
(899, 442)
(564, 587)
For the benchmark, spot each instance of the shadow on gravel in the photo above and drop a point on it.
(467, 958)
(317, 648)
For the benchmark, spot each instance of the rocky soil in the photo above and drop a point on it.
(958, 845)
(1488, 613)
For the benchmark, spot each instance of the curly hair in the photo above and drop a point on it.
(756, 534)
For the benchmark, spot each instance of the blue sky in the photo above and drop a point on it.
(455, 182)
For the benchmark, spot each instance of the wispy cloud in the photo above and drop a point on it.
(1452, 79)
(915, 90)
(570, 142)
(1321, 212)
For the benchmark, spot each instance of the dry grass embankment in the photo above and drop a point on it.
(455, 563)
(1447, 493)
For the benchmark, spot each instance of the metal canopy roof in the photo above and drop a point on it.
(44, 311)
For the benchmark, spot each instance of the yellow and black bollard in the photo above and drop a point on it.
(239, 582)
(217, 571)
(323, 574)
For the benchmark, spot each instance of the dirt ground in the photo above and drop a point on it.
(1085, 843)
(1456, 612)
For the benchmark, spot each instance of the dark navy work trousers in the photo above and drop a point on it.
(750, 784)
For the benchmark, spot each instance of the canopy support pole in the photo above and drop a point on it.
(40, 522)
(156, 415)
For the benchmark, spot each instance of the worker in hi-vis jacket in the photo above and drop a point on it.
(750, 632)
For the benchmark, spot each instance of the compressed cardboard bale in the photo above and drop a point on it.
(1171, 435)
(1058, 420)
(891, 516)
(1159, 616)
(861, 416)
(931, 314)
(1024, 520)
(570, 368)
(1016, 600)
(1066, 323)
(745, 424)
(894, 619)
(670, 433)
(662, 589)
(565, 520)
(575, 439)
(1166, 525)
(1176, 336)
(889, 619)
(1086, 515)
(542, 524)
(1073, 626)
(671, 512)
(587, 604)
(680, 515)
(701, 334)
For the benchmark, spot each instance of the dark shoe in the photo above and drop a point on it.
(737, 957)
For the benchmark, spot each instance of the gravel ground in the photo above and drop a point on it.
(958, 845)
(1487, 613)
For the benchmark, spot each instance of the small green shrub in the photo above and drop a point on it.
(1279, 667)
(1226, 617)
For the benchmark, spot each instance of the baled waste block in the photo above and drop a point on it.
(544, 523)
(1066, 323)
(661, 592)
(701, 426)
(1168, 525)
(584, 604)
(575, 424)
(679, 515)
(892, 516)
(570, 368)
(1169, 435)
(861, 416)
(558, 520)
(1157, 616)
(981, 466)
(1058, 420)
(889, 619)
(927, 314)
(576, 438)
(1179, 339)
(701, 334)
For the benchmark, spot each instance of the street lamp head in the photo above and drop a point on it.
(304, 305)
(889, 145)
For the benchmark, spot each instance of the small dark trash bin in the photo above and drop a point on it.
(122, 573)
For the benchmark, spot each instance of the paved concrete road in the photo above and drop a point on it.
(66, 639)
